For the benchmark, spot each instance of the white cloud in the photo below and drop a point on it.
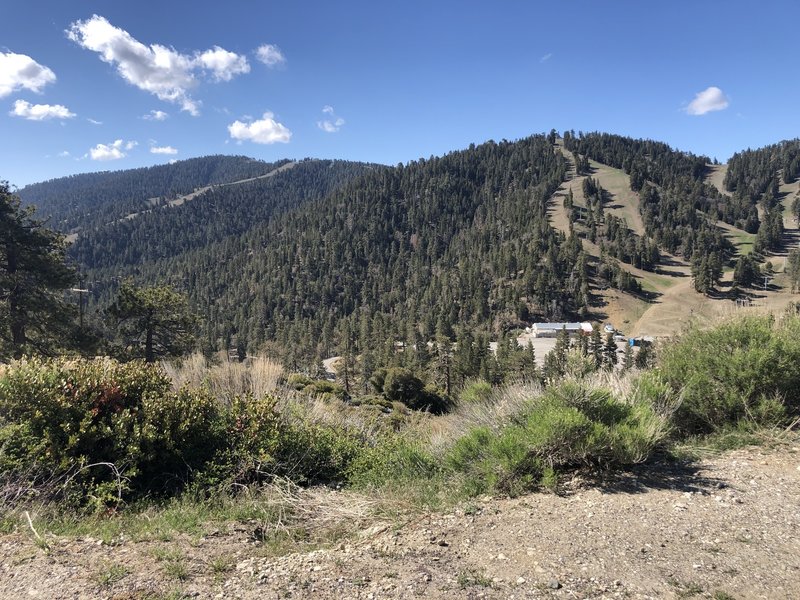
(223, 64)
(112, 151)
(160, 70)
(333, 124)
(546, 57)
(64, 154)
(163, 150)
(40, 112)
(155, 115)
(710, 99)
(264, 131)
(270, 55)
(93, 121)
(18, 71)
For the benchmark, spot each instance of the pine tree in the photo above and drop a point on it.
(443, 363)
(610, 352)
(555, 361)
(33, 275)
(645, 357)
(152, 322)
(627, 359)
(527, 368)
(596, 346)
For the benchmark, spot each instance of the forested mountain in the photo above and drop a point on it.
(220, 212)
(84, 200)
(677, 207)
(757, 175)
(400, 253)
(757, 172)
(328, 257)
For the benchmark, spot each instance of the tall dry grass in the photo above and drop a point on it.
(257, 376)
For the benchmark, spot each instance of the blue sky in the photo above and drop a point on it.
(382, 82)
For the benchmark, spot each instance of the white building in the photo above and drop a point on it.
(542, 330)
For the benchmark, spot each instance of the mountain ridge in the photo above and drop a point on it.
(485, 238)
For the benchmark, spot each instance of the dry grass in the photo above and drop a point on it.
(368, 422)
(495, 412)
(257, 376)
(320, 514)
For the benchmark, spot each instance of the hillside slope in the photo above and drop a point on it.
(445, 243)
(82, 200)
(313, 258)
(208, 215)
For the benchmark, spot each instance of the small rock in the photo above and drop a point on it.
(520, 580)
(554, 584)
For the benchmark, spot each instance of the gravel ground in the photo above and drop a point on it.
(724, 527)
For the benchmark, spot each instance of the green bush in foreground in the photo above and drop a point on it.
(572, 424)
(101, 431)
(394, 459)
(98, 433)
(744, 372)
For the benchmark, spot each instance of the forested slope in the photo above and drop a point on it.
(401, 253)
(80, 201)
(219, 212)
(329, 257)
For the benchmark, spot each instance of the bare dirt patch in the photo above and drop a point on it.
(716, 175)
(722, 527)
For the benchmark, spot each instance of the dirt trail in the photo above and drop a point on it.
(181, 199)
(725, 525)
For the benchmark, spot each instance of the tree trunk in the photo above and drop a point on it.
(15, 314)
(148, 345)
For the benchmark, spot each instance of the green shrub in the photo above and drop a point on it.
(401, 385)
(311, 453)
(298, 381)
(263, 443)
(104, 430)
(393, 459)
(743, 371)
(572, 424)
(322, 387)
(316, 387)
(476, 390)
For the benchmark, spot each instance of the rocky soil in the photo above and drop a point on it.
(724, 527)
